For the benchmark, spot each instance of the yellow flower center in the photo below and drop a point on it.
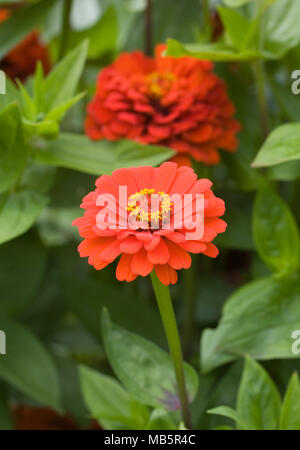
(151, 208)
(160, 83)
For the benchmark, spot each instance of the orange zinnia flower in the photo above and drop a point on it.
(164, 247)
(21, 61)
(176, 102)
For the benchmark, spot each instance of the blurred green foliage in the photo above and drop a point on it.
(58, 354)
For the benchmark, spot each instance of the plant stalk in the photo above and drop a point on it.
(206, 16)
(259, 75)
(148, 27)
(65, 31)
(165, 306)
(189, 309)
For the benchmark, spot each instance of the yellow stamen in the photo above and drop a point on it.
(140, 206)
(160, 83)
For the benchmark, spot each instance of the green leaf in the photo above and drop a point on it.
(18, 212)
(226, 411)
(236, 26)
(235, 3)
(239, 233)
(280, 27)
(240, 171)
(275, 232)
(39, 88)
(61, 83)
(258, 401)
(160, 420)
(102, 36)
(6, 421)
(52, 96)
(55, 225)
(258, 319)
(28, 366)
(47, 129)
(77, 152)
(290, 411)
(71, 392)
(59, 112)
(12, 147)
(211, 51)
(23, 22)
(288, 102)
(176, 19)
(154, 384)
(124, 306)
(288, 171)
(276, 33)
(23, 259)
(28, 106)
(12, 95)
(37, 177)
(108, 401)
(217, 388)
(282, 145)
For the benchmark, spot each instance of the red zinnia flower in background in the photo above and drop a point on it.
(217, 26)
(21, 61)
(164, 250)
(37, 418)
(176, 102)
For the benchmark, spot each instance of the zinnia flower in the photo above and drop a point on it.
(21, 61)
(175, 102)
(161, 246)
(39, 418)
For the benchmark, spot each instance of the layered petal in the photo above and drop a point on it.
(164, 248)
(175, 102)
(20, 62)
(166, 274)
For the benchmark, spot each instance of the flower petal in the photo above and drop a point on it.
(160, 254)
(179, 258)
(166, 274)
(131, 245)
(123, 271)
(144, 177)
(211, 250)
(140, 265)
(164, 176)
(111, 252)
(194, 246)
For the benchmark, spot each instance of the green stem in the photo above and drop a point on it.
(259, 75)
(148, 27)
(206, 16)
(189, 310)
(165, 306)
(65, 28)
(295, 196)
